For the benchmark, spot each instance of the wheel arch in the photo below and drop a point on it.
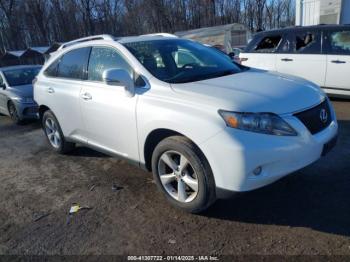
(42, 110)
(154, 138)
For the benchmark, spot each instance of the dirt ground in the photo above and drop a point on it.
(307, 212)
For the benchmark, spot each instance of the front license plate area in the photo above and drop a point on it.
(329, 145)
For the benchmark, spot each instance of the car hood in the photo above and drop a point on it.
(254, 91)
(22, 91)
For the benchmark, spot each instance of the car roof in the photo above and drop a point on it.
(7, 68)
(132, 39)
(302, 28)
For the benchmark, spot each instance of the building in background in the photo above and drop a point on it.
(30, 56)
(314, 12)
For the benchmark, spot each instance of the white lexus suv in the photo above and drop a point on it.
(205, 126)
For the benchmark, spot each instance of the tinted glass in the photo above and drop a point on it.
(165, 60)
(18, 77)
(302, 43)
(1, 80)
(103, 58)
(73, 64)
(268, 44)
(52, 69)
(337, 42)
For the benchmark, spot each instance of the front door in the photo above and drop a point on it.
(62, 86)
(108, 113)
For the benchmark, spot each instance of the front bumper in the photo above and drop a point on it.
(27, 111)
(234, 154)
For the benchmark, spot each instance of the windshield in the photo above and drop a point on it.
(23, 76)
(181, 61)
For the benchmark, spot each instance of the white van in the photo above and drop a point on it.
(320, 54)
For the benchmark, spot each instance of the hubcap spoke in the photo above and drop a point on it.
(167, 178)
(183, 163)
(49, 125)
(181, 191)
(169, 161)
(192, 183)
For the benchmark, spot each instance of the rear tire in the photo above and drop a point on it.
(183, 174)
(54, 135)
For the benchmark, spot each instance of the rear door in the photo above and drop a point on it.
(262, 52)
(109, 114)
(337, 47)
(62, 86)
(300, 54)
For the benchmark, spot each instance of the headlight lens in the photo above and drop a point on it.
(266, 123)
(25, 100)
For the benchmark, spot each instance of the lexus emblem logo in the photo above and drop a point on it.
(323, 115)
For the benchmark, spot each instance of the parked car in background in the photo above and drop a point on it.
(206, 128)
(16, 92)
(320, 54)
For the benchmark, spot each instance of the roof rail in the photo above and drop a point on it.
(161, 34)
(85, 39)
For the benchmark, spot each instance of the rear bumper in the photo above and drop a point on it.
(234, 155)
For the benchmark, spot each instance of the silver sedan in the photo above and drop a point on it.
(16, 92)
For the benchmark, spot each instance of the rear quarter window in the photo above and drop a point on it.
(73, 64)
(338, 42)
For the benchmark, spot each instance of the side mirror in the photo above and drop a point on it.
(119, 77)
(3, 86)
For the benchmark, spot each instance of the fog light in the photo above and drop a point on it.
(257, 171)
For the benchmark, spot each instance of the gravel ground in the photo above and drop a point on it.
(307, 212)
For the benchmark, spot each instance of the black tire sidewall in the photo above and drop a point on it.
(200, 166)
(17, 120)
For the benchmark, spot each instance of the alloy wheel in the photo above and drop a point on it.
(178, 176)
(51, 130)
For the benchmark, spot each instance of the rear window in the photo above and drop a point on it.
(267, 44)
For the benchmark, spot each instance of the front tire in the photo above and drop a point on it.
(13, 113)
(54, 134)
(183, 174)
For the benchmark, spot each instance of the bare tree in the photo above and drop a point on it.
(42, 22)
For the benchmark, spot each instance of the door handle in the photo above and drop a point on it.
(286, 59)
(51, 90)
(338, 62)
(86, 96)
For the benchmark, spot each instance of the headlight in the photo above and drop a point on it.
(266, 123)
(25, 100)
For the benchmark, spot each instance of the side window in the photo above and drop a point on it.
(51, 71)
(103, 58)
(1, 80)
(268, 44)
(301, 43)
(337, 42)
(306, 43)
(73, 64)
